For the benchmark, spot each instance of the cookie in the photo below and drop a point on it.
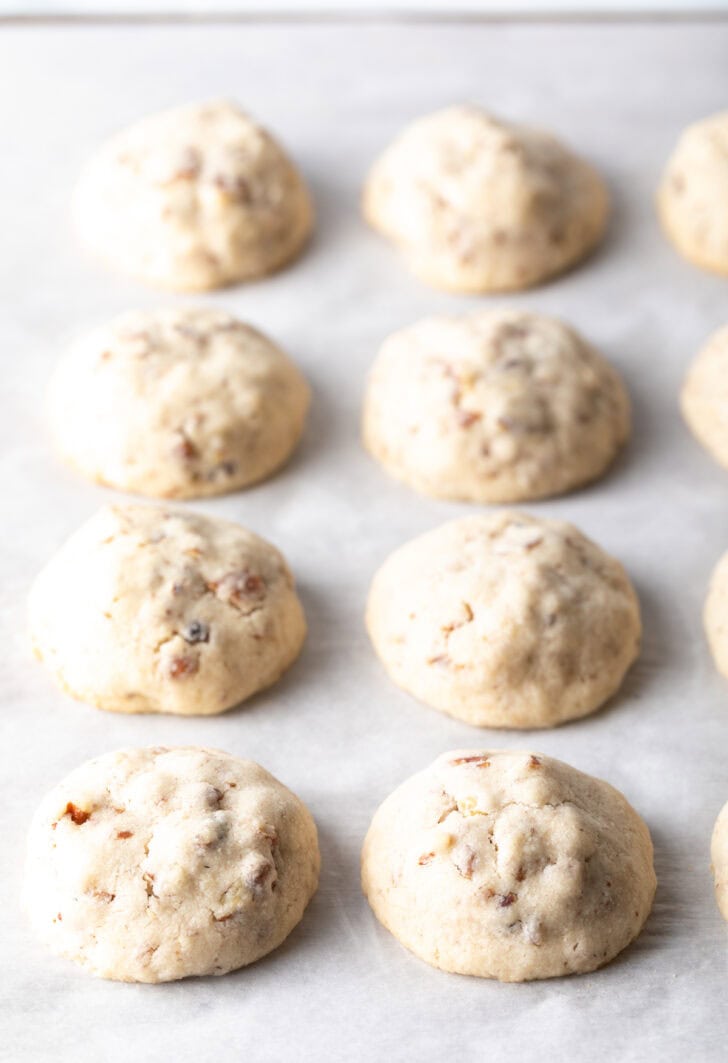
(692, 200)
(704, 396)
(477, 204)
(497, 406)
(715, 616)
(509, 865)
(719, 860)
(176, 403)
(505, 620)
(147, 865)
(193, 198)
(147, 609)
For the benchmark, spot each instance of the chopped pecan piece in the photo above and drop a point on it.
(125, 834)
(478, 759)
(180, 667)
(507, 899)
(78, 815)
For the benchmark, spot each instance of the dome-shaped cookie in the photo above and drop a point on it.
(193, 198)
(719, 860)
(509, 865)
(146, 609)
(505, 620)
(477, 204)
(704, 396)
(176, 403)
(693, 197)
(147, 865)
(498, 406)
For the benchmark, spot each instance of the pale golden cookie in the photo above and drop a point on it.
(477, 204)
(146, 609)
(498, 406)
(505, 620)
(176, 403)
(147, 865)
(509, 865)
(193, 198)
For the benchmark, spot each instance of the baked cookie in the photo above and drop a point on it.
(719, 860)
(193, 198)
(497, 406)
(146, 609)
(704, 396)
(509, 865)
(505, 620)
(481, 205)
(147, 865)
(715, 616)
(692, 200)
(177, 404)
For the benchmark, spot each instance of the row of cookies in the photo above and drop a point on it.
(497, 406)
(148, 865)
(200, 196)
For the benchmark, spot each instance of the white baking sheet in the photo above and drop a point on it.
(335, 729)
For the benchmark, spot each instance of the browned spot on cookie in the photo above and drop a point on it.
(125, 834)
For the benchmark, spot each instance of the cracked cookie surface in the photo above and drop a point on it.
(477, 204)
(692, 200)
(146, 609)
(147, 865)
(509, 865)
(498, 406)
(176, 403)
(193, 198)
(505, 620)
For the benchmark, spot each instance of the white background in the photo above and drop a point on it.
(335, 729)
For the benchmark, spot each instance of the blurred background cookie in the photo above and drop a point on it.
(477, 204)
(193, 198)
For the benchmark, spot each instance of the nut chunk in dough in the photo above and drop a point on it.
(176, 403)
(477, 204)
(693, 197)
(193, 198)
(505, 620)
(509, 865)
(147, 865)
(147, 609)
(498, 406)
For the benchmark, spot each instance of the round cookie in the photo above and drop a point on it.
(498, 406)
(147, 865)
(704, 396)
(176, 403)
(505, 620)
(719, 860)
(715, 616)
(481, 205)
(509, 865)
(145, 609)
(193, 198)
(692, 200)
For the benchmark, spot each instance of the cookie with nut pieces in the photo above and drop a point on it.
(505, 620)
(147, 865)
(146, 609)
(497, 406)
(176, 403)
(509, 865)
(478, 204)
(193, 198)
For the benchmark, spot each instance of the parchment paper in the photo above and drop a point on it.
(335, 729)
